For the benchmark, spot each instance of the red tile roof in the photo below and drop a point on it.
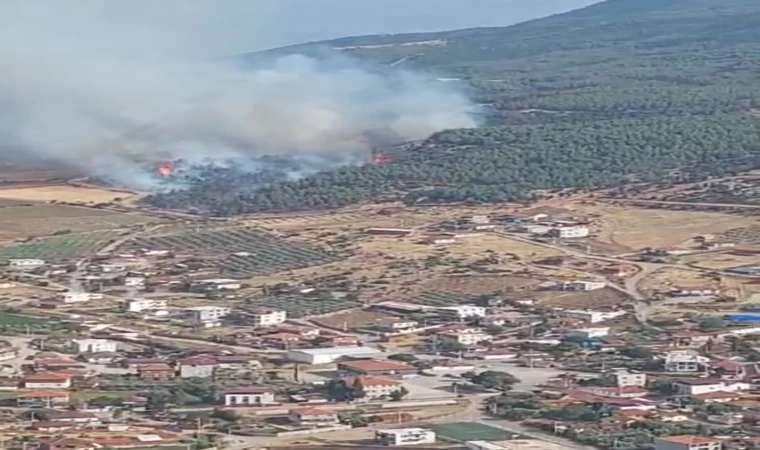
(688, 439)
(369, 365)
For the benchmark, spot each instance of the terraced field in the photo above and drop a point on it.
(61, 247)
(241, 252)
(297, 305)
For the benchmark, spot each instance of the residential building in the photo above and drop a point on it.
(94, 345)
(143, 304)
(374, 387)
(705, 385)
(78, 297)
(47, 381)
(376, 367)
(578, 231)
(25, 263)
(237, 362)
(405, 436)
(42, 399)
(330, 354)
(134, 281)
(8, 352)
(264, 317)
(201, 315)
(394, 324)
(313, 417)
(197, 367)
(687, 442)
(589, 333)
(625, 378)
(592, 316)
(159, 371)
(466, 337)
(463, 311)
(685, 362)
(583, 285)
(250, 396)
(215, 285)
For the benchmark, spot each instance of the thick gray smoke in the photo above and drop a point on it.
(110, 99)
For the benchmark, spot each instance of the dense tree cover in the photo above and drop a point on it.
(625, 89)
(505, 163)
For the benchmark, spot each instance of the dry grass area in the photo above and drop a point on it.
(478, 284)
(719, 261)
(352, 319)
(665, 279)
(470, 247)
(39, 220)
(63, 193)
(638, 228)
(600, 298)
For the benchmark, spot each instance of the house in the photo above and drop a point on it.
(265, 317)
(81, 417)
(25, 263)
(330, 354)
(592, 316)
(705, 385)
(694, 291)
(283, 340)
(313, 417)
(376, 367)
(77, 297)
(197, 367)
(42, 399)
(50, 380)
(685, 362)
(139, 305)
(208, 315)
(571, 232)
(718, 397)
(462, 311)
(582, 285)
(405, 436)
(392, 325)
(688, 339)
(51, 426)
(94, 345)
(134, 281)
(7, 351)
(250, 396)
(159, 371)
(99, 357)
(466, 337)
(625, 378)
(215, 285)
(236, 362)
(589, 333)
(374, 387)
(618, 391)
(687, 442)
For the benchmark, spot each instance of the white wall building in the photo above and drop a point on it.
(463, 311)
(268, 317)
(577, 231)
(590, 333)
(94, 345)
(687, 442)
(78, 297)
(685, 362)
(405, 436)
(330, 354)
(208, 314)
(134, 281)
(254, 396)
(592, 316)
(583, 285)
(625, 378)
(25, 263)
(143, 304)
(467, 337)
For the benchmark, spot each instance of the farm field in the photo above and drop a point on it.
(243, 252)
(749, 235)
(39, 220)
(665, 279)
(600, 298)
(21, 322)
(63, 193)
(353, 319)
(471, 431)
(297, 305)
(720, 261)
(637, 228)
(65, 246)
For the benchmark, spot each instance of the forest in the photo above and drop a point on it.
(623, 90)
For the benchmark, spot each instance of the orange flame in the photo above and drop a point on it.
(165, 169)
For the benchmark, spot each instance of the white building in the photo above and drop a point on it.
(591, 316)
(405, 436)
(201, 315)
(25, 263)
(268, 317)
(687, 442)
(705, 386)
(463, 311)
(134, 281)
(217, 284)
(577, 231)
(143, 304)
(583, 285)
(467, 337)
(78, 297)
(625, 378)
(253, 396)
(685, 362)
(375, 387)
(590, 333)
(330, 354)
(94, 345)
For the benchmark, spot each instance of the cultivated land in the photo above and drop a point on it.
(64, 193)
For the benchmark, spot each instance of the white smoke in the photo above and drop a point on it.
(105, 98)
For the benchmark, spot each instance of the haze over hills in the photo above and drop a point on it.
(583, 99)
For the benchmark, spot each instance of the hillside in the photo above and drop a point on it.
(594, 97)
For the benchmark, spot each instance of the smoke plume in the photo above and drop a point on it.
(110, 96)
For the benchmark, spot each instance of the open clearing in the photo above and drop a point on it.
(638, 228)
(61, 247)
(64, 193)
(600, 298)
(39, 220)
(471, 431)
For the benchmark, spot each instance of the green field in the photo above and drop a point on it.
(40, 220)
(21, 322)
(442, 298)
(242, 252)
(65, 246)
(471, 431)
